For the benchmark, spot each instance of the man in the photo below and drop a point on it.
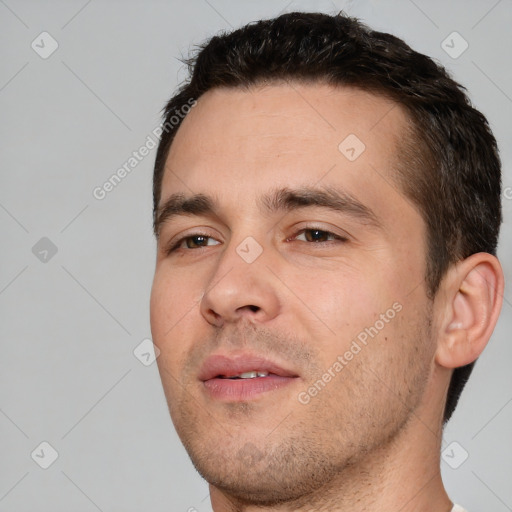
(327, 209)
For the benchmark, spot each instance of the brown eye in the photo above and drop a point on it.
(317, 235)
(195, 241)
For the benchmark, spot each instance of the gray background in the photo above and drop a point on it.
(71, 321)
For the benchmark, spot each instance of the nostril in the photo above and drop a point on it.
(245, 309)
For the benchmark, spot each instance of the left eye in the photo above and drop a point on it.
(318, 235)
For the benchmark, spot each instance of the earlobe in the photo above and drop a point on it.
(473, 297)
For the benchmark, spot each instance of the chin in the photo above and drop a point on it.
(250, 476)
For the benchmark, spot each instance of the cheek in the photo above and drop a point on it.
(172, 305)
(362, 317)
(344, 301)
(173, 293)
(170, 316)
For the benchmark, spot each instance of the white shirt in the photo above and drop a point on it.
(458, 508)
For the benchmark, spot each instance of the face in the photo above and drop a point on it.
(288, 301)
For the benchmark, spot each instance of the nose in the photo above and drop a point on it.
(239, 289)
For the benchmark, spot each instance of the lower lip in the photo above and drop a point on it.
(238, 390)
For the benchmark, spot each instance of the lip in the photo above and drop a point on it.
(229, 366)
(233, 390)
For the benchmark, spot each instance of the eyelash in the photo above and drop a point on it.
(176, 245)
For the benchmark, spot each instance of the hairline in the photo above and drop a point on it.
(410, 129)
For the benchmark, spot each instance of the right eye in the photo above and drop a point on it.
(193, 241)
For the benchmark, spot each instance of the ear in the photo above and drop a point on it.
(471, 300)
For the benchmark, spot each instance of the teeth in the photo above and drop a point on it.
(250, 375)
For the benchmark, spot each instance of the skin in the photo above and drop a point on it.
(371, 438)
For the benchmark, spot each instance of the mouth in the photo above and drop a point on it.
(254, 374)
(243, 377)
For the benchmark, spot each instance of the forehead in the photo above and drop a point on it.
(246, 141)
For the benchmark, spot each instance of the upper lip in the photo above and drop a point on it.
(235, 364)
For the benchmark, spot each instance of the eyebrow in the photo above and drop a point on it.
(282, 200)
